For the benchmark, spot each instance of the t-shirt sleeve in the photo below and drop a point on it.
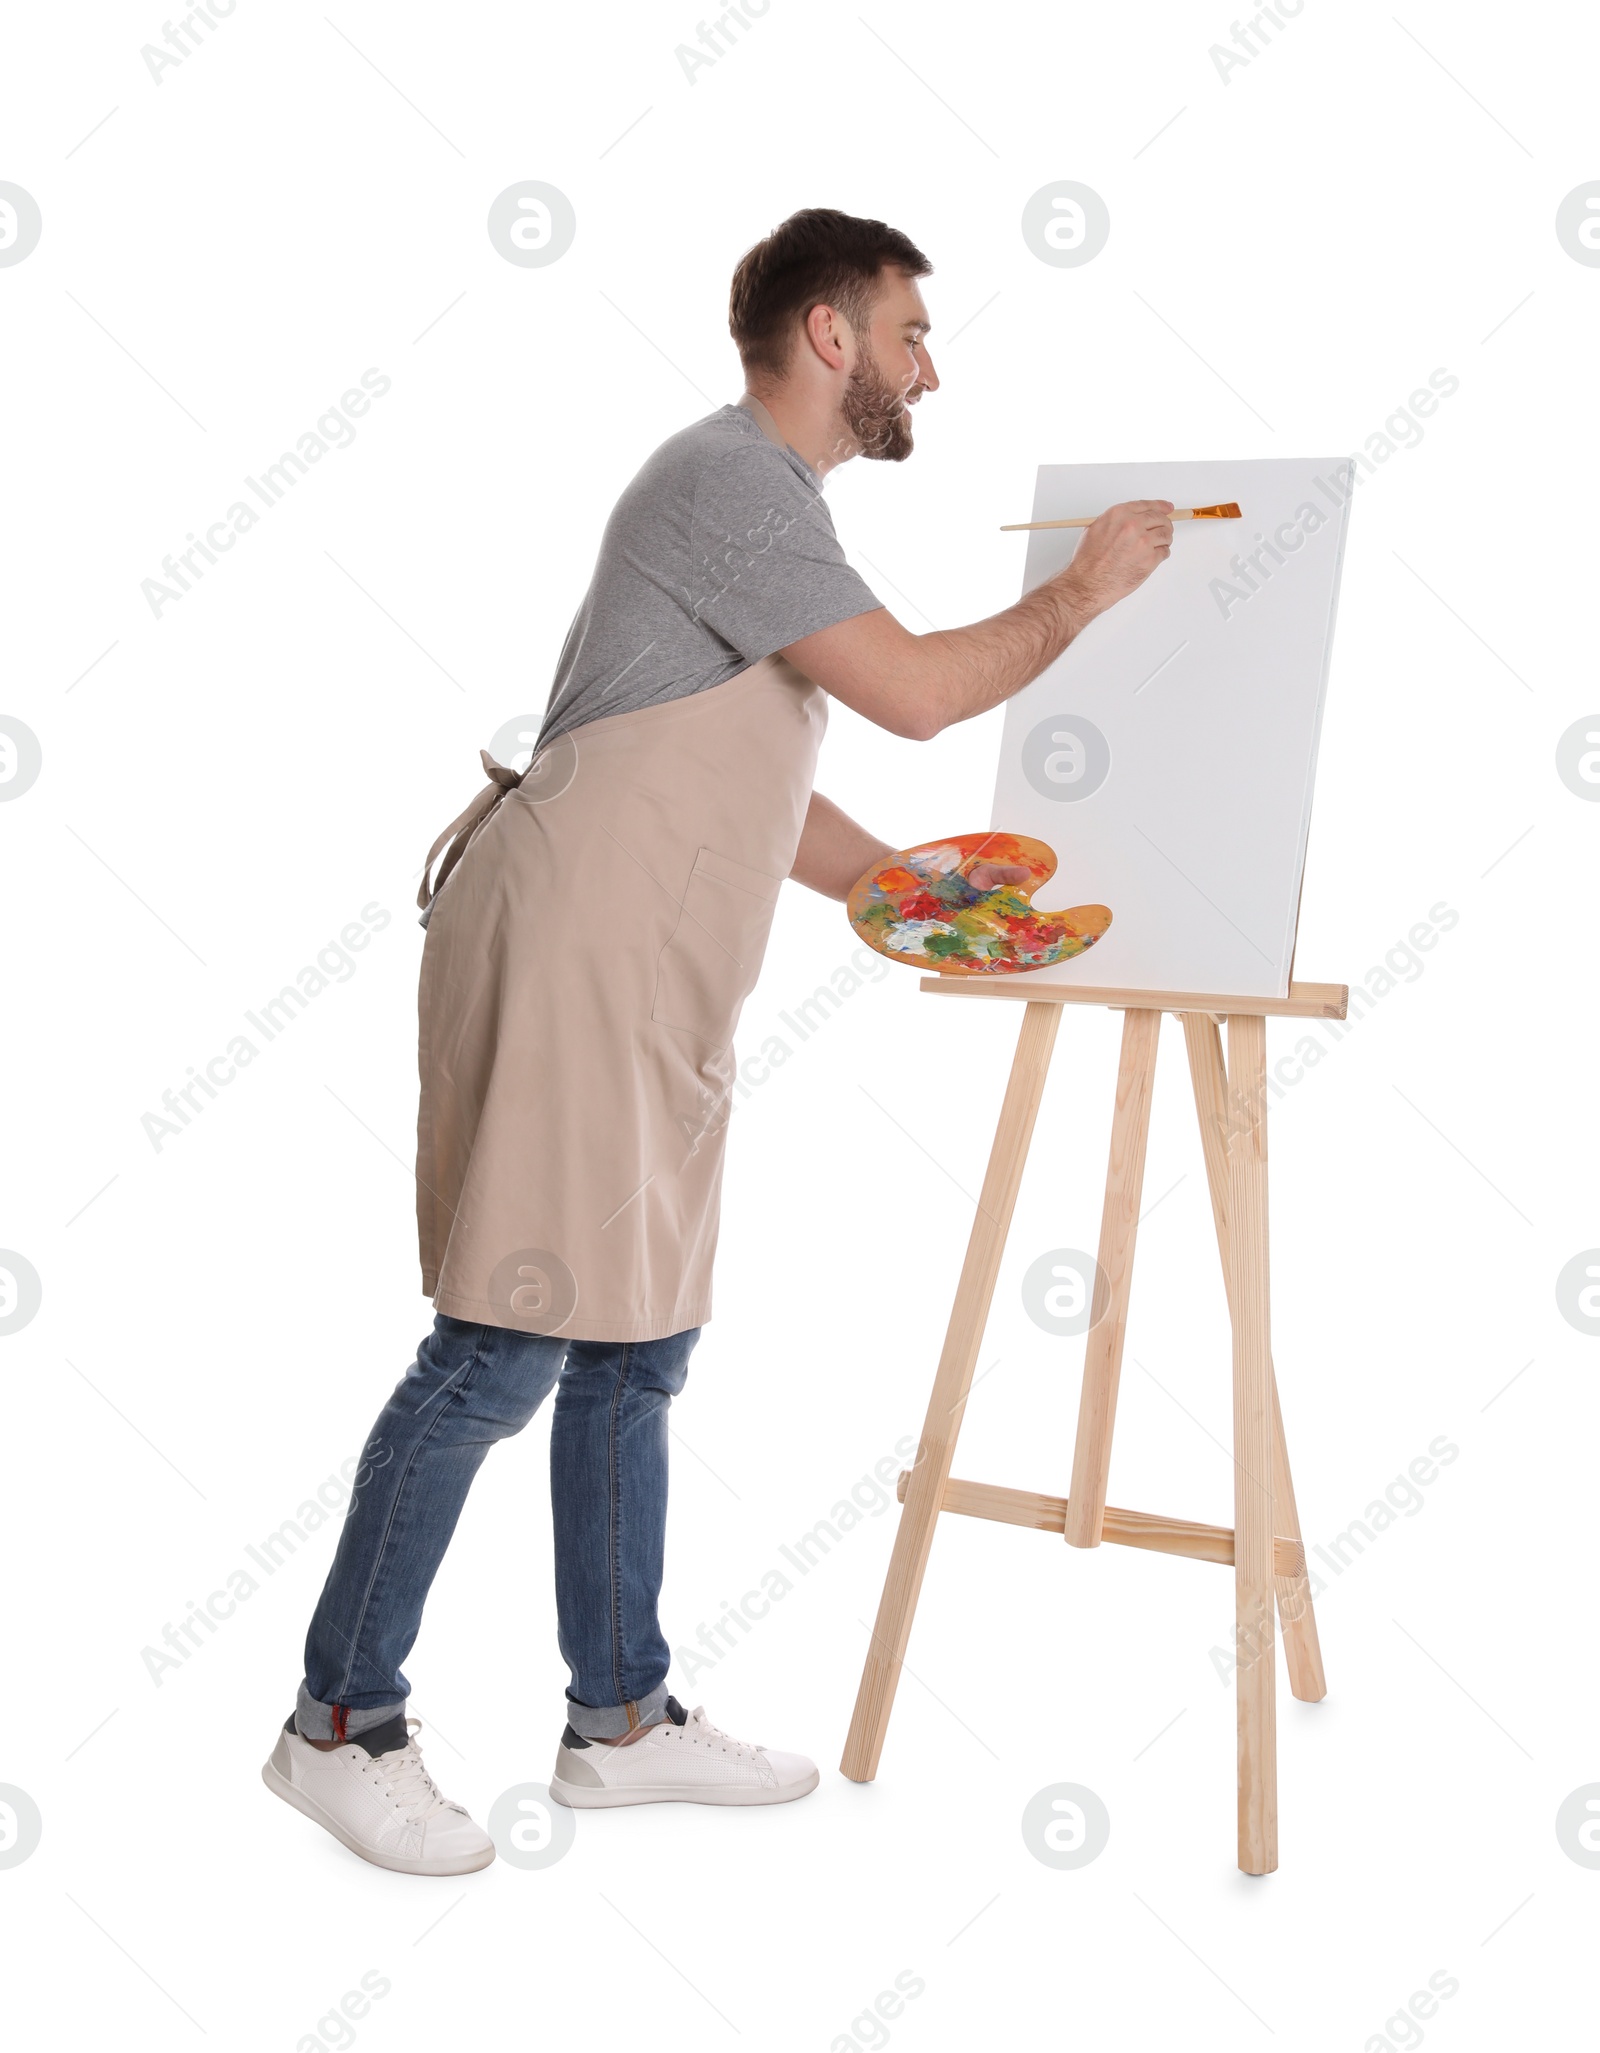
(767, 567)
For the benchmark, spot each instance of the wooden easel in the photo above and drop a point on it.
(1263, 1544)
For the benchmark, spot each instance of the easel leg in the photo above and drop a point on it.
(1248, 1295)
(964, 1336)
(1297, 1619)
(1119, 1221)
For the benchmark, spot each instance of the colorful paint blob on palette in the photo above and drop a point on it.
(963, 907)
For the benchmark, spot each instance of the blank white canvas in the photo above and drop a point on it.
(1168, 755)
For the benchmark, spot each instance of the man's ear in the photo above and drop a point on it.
(825, 334)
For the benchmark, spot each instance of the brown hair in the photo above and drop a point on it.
(818, 256)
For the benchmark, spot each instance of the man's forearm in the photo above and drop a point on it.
(834, 851)
(969, 669)
(916, 684)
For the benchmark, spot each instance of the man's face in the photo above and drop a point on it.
(891, 372)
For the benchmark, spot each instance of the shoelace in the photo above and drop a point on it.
(407, 1781)
(701, 1727)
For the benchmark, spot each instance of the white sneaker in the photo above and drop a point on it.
(377, 1797)
(684, 1759)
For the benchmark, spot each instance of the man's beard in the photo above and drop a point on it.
(876, 415)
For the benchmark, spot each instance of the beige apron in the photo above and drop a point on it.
(596, 927)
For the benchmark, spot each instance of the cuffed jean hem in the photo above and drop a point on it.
(614, 1721)
(313, 1719)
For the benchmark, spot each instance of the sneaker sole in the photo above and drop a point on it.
(280, 1785)
(578, 1798)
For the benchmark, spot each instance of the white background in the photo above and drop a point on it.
(1292, 252)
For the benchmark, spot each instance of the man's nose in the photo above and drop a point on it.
(929, 377)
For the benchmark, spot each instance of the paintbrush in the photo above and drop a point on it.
(1230, 511)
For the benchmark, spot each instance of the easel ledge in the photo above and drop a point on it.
(1305, 1001)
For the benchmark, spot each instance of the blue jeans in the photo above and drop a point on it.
(468, 1387)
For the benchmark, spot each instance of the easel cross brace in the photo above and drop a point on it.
(1264, 1544)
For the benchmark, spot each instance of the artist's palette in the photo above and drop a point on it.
(940, 907)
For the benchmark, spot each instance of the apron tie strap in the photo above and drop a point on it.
(461, 830)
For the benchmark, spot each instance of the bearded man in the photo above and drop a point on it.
(596, 924)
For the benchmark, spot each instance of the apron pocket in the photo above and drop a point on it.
(709, 966)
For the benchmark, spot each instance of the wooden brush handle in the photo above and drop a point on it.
(1087, 520)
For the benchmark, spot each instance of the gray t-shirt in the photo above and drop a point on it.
(718, 553)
